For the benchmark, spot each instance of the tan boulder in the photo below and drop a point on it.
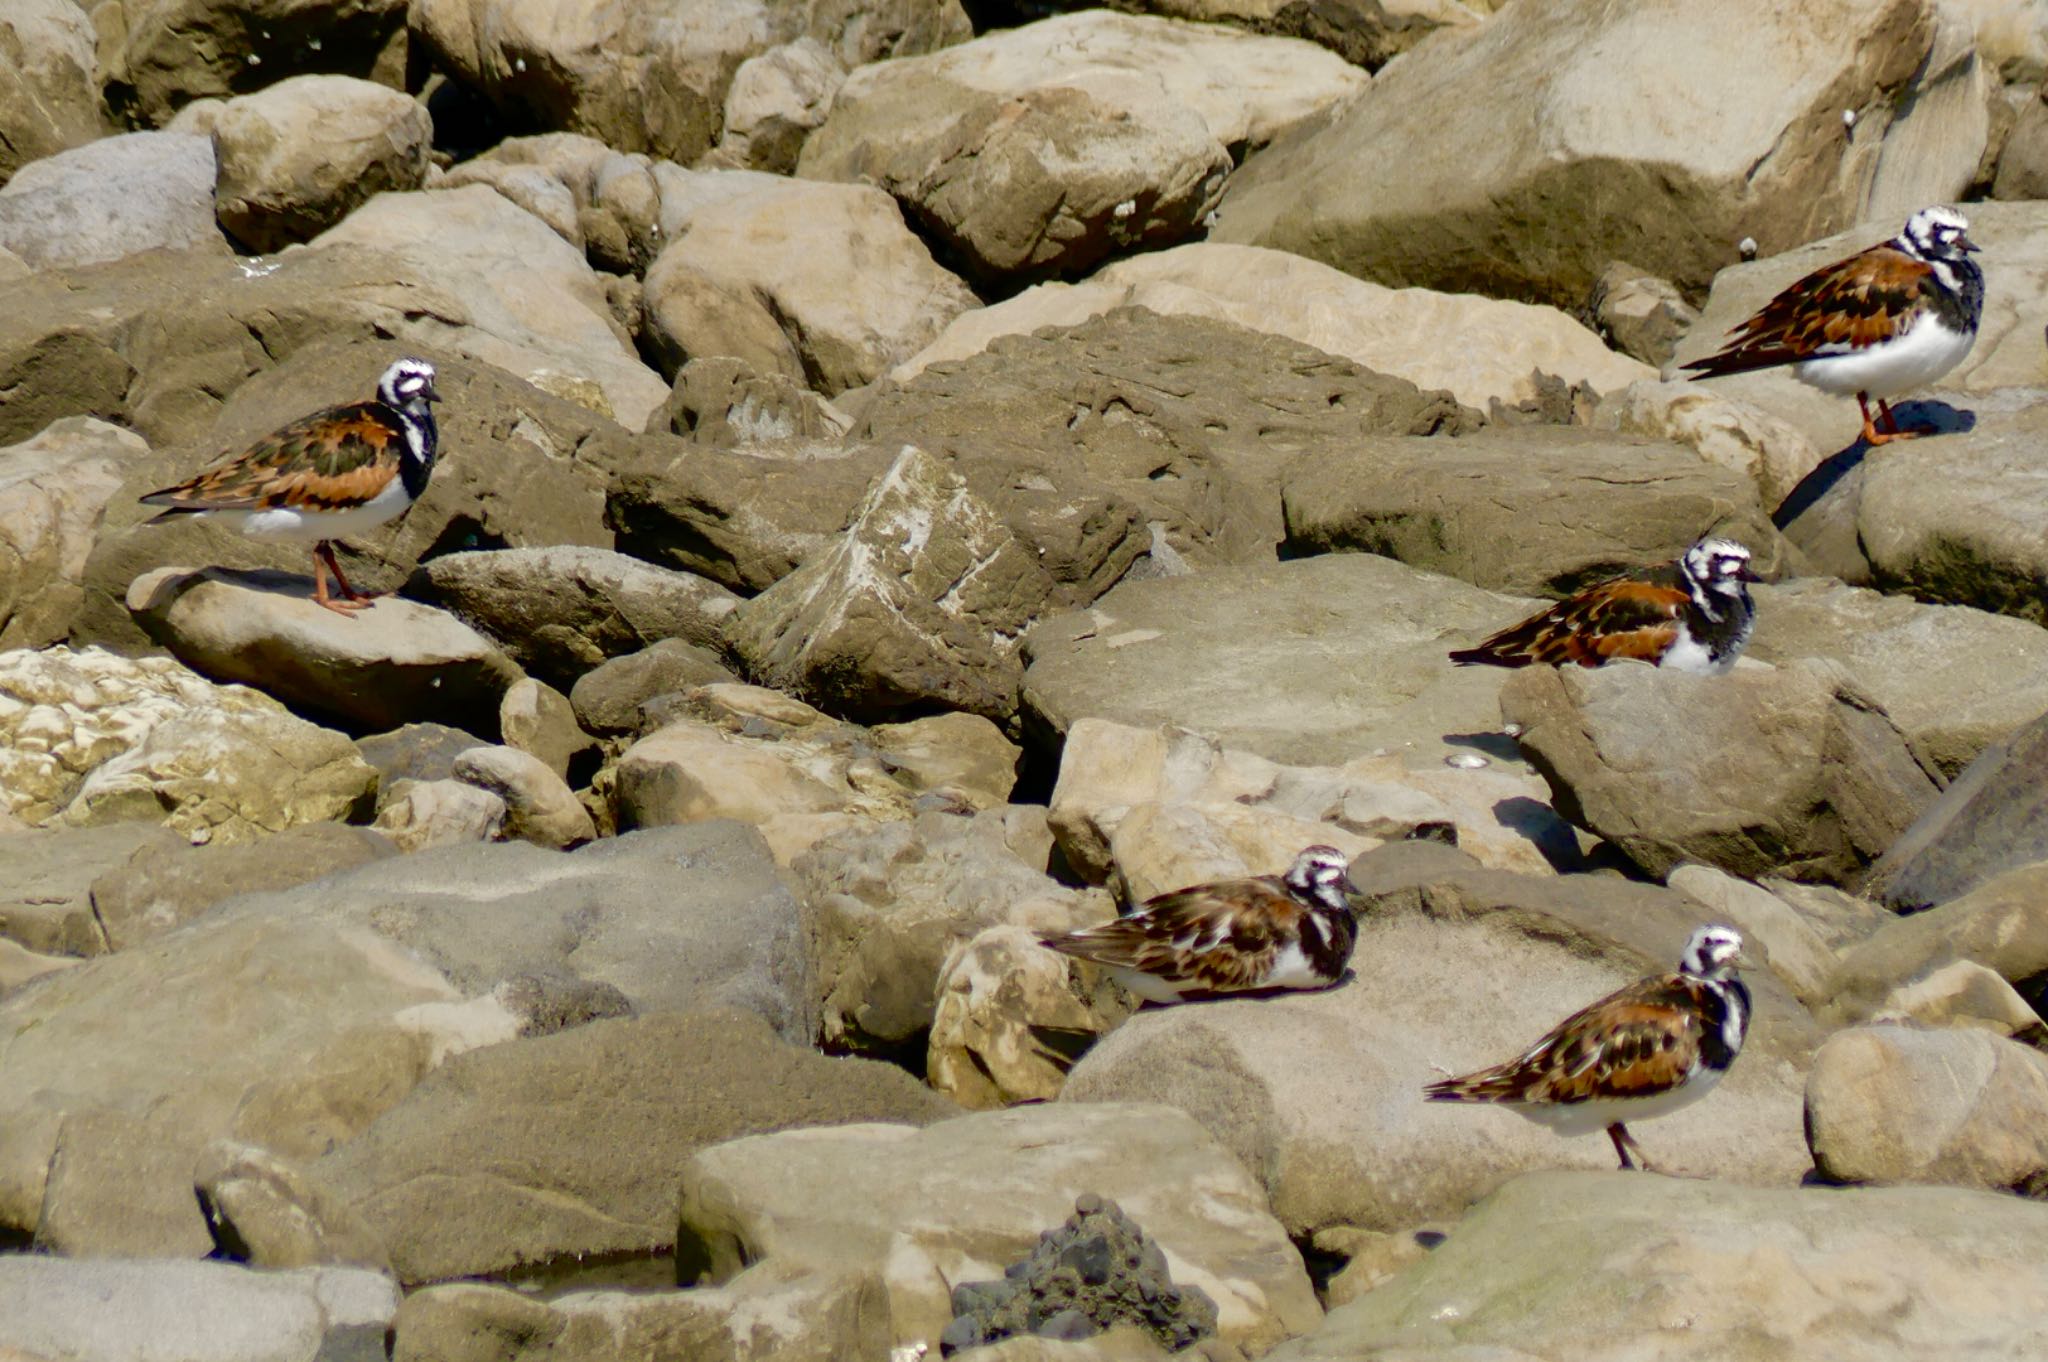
(47, 99)
(54, 488)
(115, 197)
(1010, 1014)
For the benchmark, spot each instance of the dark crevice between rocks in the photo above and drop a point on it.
(907, 1054)
(1321, 1264)
(14, 1240)
(644, 1270)
(462, 534)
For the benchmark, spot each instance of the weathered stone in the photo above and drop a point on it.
(607, 698)
(1646, 315)
(539, 805)
(1366, 33)
(47, 99)
(1725, 431)
(49, 873)
(396, 662)
(1964, 993)
(1530, 512)
(1771, 928)
(2023, 164)
(415, 752)
(54, 487)
(958, 1199)
(118, 1188)
(726, 403)
(920, 604)
(1959, 1107)
(538, 720)
(1790, 771)
(298, 156)
(1040, 150)
(775, 100)
(20, 966)
(266, 1212)
(112, 198)
(548, 1150)
(1752, 1272)
(1010, 1016)
(1997, 924)
(424, 813)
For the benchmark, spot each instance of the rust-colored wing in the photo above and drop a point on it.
(1217, 937)
(1850, 305)
(1627, 617)
(335, 458)
(1640, 1041)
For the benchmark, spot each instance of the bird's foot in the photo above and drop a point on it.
(349, 606)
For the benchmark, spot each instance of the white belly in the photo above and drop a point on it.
(289, 522)
(1583, 1118)
(1914, 360)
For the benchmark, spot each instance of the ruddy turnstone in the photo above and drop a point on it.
(1882, 322)
(1656, 1046)
(1275, 931)
(1691, 615)
(337, 472)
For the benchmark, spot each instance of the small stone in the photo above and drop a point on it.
(538, 719)
(540, 807)
(416, 814)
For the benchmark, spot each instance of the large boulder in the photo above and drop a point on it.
(54, 488)
(1040, 150)
(299, 156)
(48, 102)
(47, 906)
(921, 604)
(819, 282)
(1365, 34)
(1480, 350)
(1360, 640)
(775, 100)
(1992, 818)
(539, 1152)
(1788, 771)
(1370, 1151)
(961, 1199)
(1540, 511)
(1669, 132)
(1997, 924)
(112, 198)
(1771, 452)
(1709, 1271)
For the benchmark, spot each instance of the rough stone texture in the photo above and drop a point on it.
(221, 1311)
(1134, 433)
(1202, 652)
(416, 814)
(2023, 164)
(920, 604)
(886, 906)
(724, 402)
(1415, 184)
(1365, 33)
(1531, 512)
(1480, 350)
(538, 719)
(1009, 1017)
(415, 752)
(1790, 771)
(1040, 150)
(20, 966)
(1732, 1271)
(958, 1200)
(1726, 431)
(54, 488)
(539, 805)
(1959, 1107)
(119, 1189)
(1095, 1271)
(299, 156)
(547, 1150)
(639, 80)
(47, 904)
(561, 611)
(1954, 679)
(1646, 316)
(47, 100)
(1992, 818)
(165, 884)
(1997, 924)
(820, 282)
(607, 698)
(1964, 993)
(265, 1211)
(775, 100)
(1369, 1151)
(515, 465)
(396, 662)
(112, 198)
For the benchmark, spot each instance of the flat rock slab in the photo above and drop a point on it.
(46, 905)
(1998, 924)
(1533, 511)
(960, 1200)
(1710, 1271)
(393, 663)
(154, 1311)
(1321, 1093)
(1992, 818)
(1309, 662)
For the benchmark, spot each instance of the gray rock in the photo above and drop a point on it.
(559, 612)
(1785, 771)
(119, 1188)
(607, 698)
(53, 489)
(979, 1189)
(20, 966)
(47, 97)
(2023, 164)
(548, 1150)
(539, 720)
(416, 752)
(1099, 1266)
(1540, 512)
(396, 662)
(1202, 653)
(166, 883)
(919, 605)
(1646, 315)
(726, 403)
(144, 1311)
(1997, 924)
(47, 904)
(1960, 1265)
(539, 805)
(1771, 928)
(112, 198)
(1992, 818)
(425, 813)
(1963, 1108)
(1964, 993)
(266, 1212)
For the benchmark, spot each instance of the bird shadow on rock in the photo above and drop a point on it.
(1496, 745)
(270, 581)
(1929, 418)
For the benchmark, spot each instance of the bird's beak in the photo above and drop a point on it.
(1964, 243)
(1750, 574)
(1744, 960)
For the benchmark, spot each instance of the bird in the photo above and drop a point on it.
(1693, 614)
(1295, 930)
(1646, 1050)
(337, 472)
(1879, 323)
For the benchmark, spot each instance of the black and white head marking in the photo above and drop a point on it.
(1715, 568)
(1320, 875)
(1713, 956)
(407, 387)
(1712, 953)
(1940, 236)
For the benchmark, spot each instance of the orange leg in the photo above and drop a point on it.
(1623, 1143)
(1871, 434)
(351, 600)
